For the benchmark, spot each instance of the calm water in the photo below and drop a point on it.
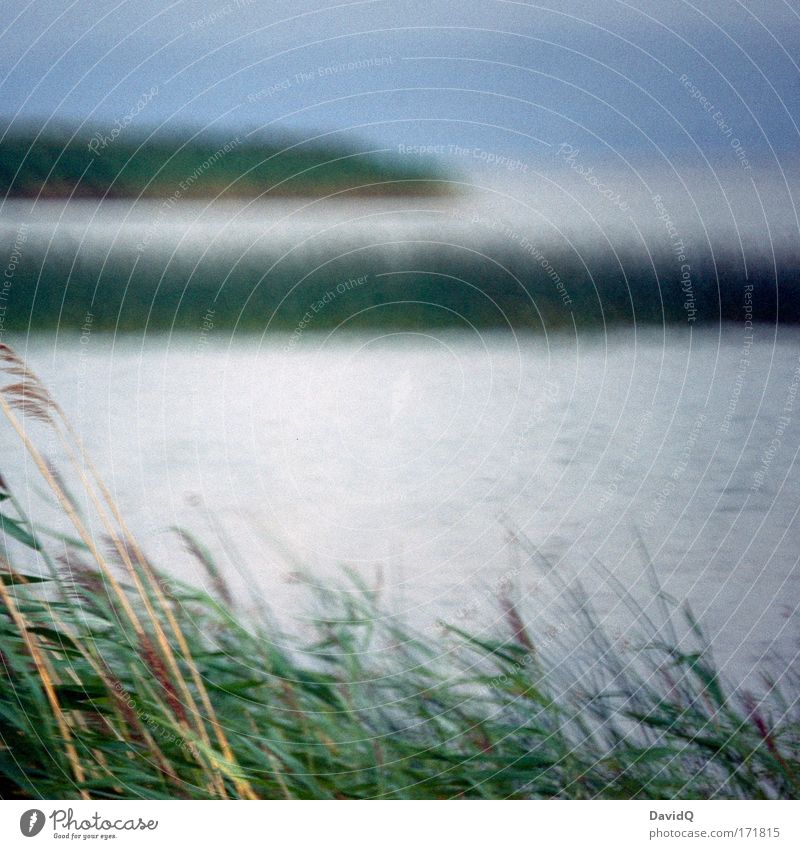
(410, 456)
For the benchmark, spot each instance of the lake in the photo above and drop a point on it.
(418, 457)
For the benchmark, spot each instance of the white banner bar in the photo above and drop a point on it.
(411, 825)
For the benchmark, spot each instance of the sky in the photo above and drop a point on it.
(646, 79)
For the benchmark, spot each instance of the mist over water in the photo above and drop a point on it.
(553, 200)
(547, 249)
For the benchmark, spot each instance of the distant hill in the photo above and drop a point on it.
(121, 164)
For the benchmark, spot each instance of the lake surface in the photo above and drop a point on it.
(415, 457)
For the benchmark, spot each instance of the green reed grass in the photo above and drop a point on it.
(117, 681)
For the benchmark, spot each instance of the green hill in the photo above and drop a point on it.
(63, 164)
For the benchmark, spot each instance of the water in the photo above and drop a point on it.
(440, 464)
(414, 457)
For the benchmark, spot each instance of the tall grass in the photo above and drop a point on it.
(117, 681)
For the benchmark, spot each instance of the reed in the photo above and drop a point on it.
(115, 686)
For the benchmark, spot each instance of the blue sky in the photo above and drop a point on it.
(613, 76)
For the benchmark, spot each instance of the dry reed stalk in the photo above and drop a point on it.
(99, 720)
(138, 731)
(758, 719)
(130, 545)
(515, 623)
(156, 665)
(47, 678)
(78, 575)
(113, 686)
(242, 785)
(42, 413)
(221, 588)
(111, 683)
(124, 546)
(124, 711)
(32, 394)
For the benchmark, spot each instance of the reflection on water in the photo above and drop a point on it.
(416, 453)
